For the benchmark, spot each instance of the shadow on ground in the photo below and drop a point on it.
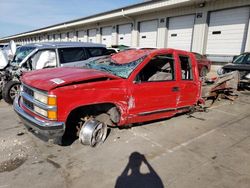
(132, 177)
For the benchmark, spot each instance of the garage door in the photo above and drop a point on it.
(180, 32)
(81, 36)
(42, 39)
(124, 34)
(148, 33)
(57, 37)
(51, 38)
(106, 36)
(64, 37)
(72, 36)
(227, 31)
(92, 35)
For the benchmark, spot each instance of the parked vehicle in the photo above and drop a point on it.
(240, 63)
(128, 87)
(204, 64)
(45, 55)
(6, 56)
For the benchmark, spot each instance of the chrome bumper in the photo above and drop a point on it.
(48, 129)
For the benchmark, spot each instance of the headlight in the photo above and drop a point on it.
(40, 97)
(41, 111)
(50, 114)
(45, 99)
(48, 100)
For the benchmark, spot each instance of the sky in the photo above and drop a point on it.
(17, 16)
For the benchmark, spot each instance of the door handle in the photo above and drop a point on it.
(175, 89)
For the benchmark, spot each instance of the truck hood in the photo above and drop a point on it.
(48, 79)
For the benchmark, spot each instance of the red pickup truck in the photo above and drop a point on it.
(118, 90)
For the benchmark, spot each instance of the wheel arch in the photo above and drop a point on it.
(94, 109)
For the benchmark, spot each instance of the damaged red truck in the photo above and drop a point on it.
(118, 90)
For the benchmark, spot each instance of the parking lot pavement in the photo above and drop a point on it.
(207, 149)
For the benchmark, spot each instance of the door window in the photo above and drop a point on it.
(96, 51)
(186, 68)
(160, 68)
(43, 59)
(68, 55)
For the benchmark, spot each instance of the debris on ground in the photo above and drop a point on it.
(222, 87)
(20, 133)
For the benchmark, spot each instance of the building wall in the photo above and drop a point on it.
(200, 29)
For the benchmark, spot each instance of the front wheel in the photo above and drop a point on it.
(93, 132)
(10, 91)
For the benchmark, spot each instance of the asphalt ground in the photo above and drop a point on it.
(206, 149)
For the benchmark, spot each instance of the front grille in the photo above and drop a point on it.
(28, 104)
(27, 90)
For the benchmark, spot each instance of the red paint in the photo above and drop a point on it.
(132, 99)
(203, 61)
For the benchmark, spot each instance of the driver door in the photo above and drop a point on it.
(155, 91)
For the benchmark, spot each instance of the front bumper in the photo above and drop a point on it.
(47, 129)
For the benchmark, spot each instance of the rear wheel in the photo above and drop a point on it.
(203, 72)
(10, 91)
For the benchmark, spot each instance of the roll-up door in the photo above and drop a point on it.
(64, 37)
(124, 34)
(57, 37)
(227, 31)
(92, 35)
(148, 33)
(180, 32)
(107, 36)
(51, 38)
(81, 36)
(72, 36)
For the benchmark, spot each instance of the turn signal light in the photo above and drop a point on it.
(51, 101)
(52, 115)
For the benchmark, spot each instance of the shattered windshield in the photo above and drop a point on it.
(109, 65)
(21, 53)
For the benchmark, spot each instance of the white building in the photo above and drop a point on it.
(218, 28)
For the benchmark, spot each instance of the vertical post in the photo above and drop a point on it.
(200, 32)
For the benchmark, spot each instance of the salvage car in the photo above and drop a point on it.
(204, 64)
(44, 55)
(240, 63)
(117, 90)
(6, 56)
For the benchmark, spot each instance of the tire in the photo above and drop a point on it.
(10, 90)
(203, 72)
